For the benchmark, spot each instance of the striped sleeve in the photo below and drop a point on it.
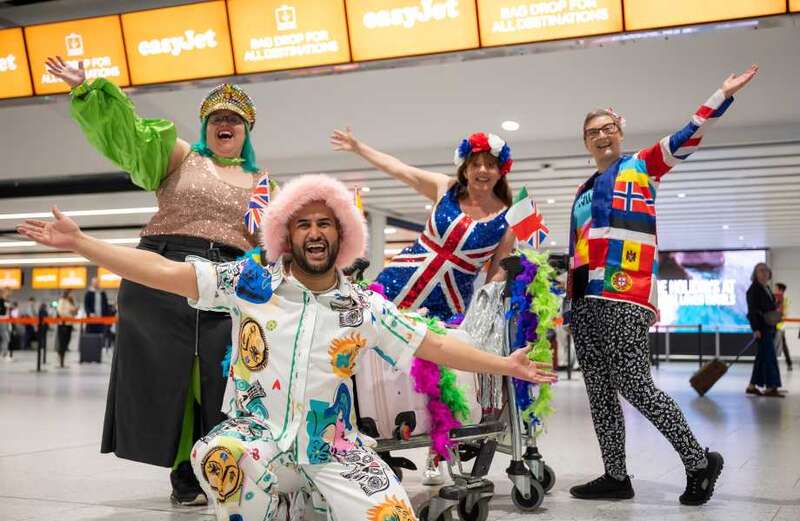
(671, 150)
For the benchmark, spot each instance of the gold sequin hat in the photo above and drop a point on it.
(229, 97)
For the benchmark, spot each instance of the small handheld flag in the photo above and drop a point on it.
(259, 200)
(526, 222)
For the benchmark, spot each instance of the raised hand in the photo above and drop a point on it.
(524, 368)
(735, 82)
(343, 140)
(71, 76)
(63, 232)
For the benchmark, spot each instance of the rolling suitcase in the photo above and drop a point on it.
(90, 347)
(705, 377)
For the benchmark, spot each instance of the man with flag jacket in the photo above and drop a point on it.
(612, 291)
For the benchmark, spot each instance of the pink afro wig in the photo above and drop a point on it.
(306, 189)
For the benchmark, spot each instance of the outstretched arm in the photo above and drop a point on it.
(429, 184)
(671, 150)
(148, 149)
(144, 267)
(448, 350)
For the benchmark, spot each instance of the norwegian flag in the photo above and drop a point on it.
(258, 201)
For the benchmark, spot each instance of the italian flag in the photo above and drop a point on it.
(526, 222)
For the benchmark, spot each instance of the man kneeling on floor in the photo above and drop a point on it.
(298, 327)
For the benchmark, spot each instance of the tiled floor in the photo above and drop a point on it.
(50, 466)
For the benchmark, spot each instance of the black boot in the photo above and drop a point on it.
(700, 483)
(186, 489)
(604, 487)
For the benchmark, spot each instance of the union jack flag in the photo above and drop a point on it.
(436, 259)
(259, 200)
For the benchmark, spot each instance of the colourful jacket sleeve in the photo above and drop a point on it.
(139, 146)
(671, 150)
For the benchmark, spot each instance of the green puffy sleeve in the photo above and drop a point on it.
(108, 118)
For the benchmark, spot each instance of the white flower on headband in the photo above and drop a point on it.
(496, 143)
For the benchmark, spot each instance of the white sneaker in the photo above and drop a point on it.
(434, 474)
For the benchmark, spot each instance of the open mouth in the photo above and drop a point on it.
(224, 135)
(317, 251)
(603, 145)
(482, 179)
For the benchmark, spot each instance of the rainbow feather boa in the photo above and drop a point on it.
(536, 303)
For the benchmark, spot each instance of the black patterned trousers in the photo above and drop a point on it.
(612, 346)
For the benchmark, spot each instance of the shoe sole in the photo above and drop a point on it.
(712, 483)
(199, 501)
(616, 496)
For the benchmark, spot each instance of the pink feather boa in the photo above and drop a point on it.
(426, 377)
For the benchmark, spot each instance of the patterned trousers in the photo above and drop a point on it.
(239, 467)
(612, 345)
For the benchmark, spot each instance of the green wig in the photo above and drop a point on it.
(248, 153)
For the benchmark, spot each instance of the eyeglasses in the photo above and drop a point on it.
(609, 129)
(218, 119)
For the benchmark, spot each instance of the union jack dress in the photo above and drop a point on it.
(439, 270)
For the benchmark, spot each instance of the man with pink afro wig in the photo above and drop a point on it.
(299, 327)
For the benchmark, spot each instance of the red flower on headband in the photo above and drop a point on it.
(506, 167)
(479, 142)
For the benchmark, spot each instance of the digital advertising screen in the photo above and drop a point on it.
(706, 287)
(11, 278)
(97, 42)
(107, 279)
(393, 28)
(270, 35)
(187, 42)
(651, 14)
(15, 77)
(508, 22)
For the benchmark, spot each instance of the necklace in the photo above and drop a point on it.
(227, 161)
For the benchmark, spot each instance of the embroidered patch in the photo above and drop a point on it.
(253, 347)
(621, 281)
(364, 469)
(343, 353)
(254, 283)
(351, 309)
(392, 509)
(271, 325)
(222, 472)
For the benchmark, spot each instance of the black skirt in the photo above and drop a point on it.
(158, 337)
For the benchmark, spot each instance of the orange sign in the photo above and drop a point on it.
(794, 5)
(270, 35)
(650, 14)
(10, 278)
(15, 77)
(72, 277)
(178, 43)
(95, 41)
(107, 279)
(506, 22)
(44, 278)
(392, 28)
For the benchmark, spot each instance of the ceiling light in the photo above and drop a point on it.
(741, 237)
(365, 189)
(43, 260)
(392, 251)
(389, 230)
(551, 201)
(725, 226)
(29, 244)
(509, 125)
(681, 195)
(428, 206)
(79, 213)
(552, 243)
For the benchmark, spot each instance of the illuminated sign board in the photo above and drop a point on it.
(15, 77)
(393, 28)
(107, 279)
(506, 22)
(97, 42)
(794, 5)
(178, 43)
(44, 278)
(10, 278)
(649, 14)
(72, 277)
(271, 35)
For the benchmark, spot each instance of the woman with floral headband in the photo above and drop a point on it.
(612, 291)
(166, 384)
(466, 229)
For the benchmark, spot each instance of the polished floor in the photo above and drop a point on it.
(51, 468)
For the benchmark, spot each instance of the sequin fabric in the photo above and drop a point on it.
(438, 271)
(193, 201)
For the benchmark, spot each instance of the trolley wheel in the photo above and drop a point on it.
(398, 471)
(479, 512)
(447, 515)
(533, 502)
(549, 478)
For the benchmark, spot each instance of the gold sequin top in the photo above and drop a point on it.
(193, 201)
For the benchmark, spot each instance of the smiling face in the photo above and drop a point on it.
(314, 238)
(603, 139)
(225, 133)
(482, 172)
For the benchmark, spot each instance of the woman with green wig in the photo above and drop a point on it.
(166, 386)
